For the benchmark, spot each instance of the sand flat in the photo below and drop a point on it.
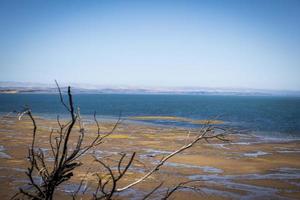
(246, 167)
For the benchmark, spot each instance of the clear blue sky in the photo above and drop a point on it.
(243, 43)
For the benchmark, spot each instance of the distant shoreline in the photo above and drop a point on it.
(38, 88)
(134, 92)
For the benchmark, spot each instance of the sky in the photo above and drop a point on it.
(214, 43)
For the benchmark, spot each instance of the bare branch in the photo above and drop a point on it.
(202, 135)
(152, 191)
(177, 187)
(61, 97)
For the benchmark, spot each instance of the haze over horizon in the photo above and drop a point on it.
(129, 89)
(223, 44)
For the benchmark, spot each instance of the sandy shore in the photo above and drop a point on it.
(247, 167)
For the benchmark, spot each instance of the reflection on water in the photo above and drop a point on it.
(3, 154)
(255, 154)
(289, 175)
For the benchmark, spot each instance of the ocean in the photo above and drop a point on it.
(272, 116)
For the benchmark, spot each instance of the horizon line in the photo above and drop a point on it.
(91, 86)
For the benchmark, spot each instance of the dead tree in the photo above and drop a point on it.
(43, 177)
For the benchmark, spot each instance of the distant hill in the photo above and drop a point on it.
(25, 87)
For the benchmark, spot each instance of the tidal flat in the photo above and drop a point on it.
(246, 167)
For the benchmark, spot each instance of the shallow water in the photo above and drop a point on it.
(3, 154)
(206, 169)
(263, 115)
(256, 154)
(253, 191)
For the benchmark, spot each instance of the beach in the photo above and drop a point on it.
(245, 167)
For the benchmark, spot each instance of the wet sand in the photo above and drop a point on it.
(247, 167)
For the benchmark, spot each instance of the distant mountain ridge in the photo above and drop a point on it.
(28, 87)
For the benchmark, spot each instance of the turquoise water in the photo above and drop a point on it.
(265, 115)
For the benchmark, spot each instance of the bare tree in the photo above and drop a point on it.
(66, 159)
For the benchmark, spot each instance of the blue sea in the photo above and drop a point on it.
(272, 116)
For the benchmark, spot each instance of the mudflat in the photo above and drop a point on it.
(246, 167)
